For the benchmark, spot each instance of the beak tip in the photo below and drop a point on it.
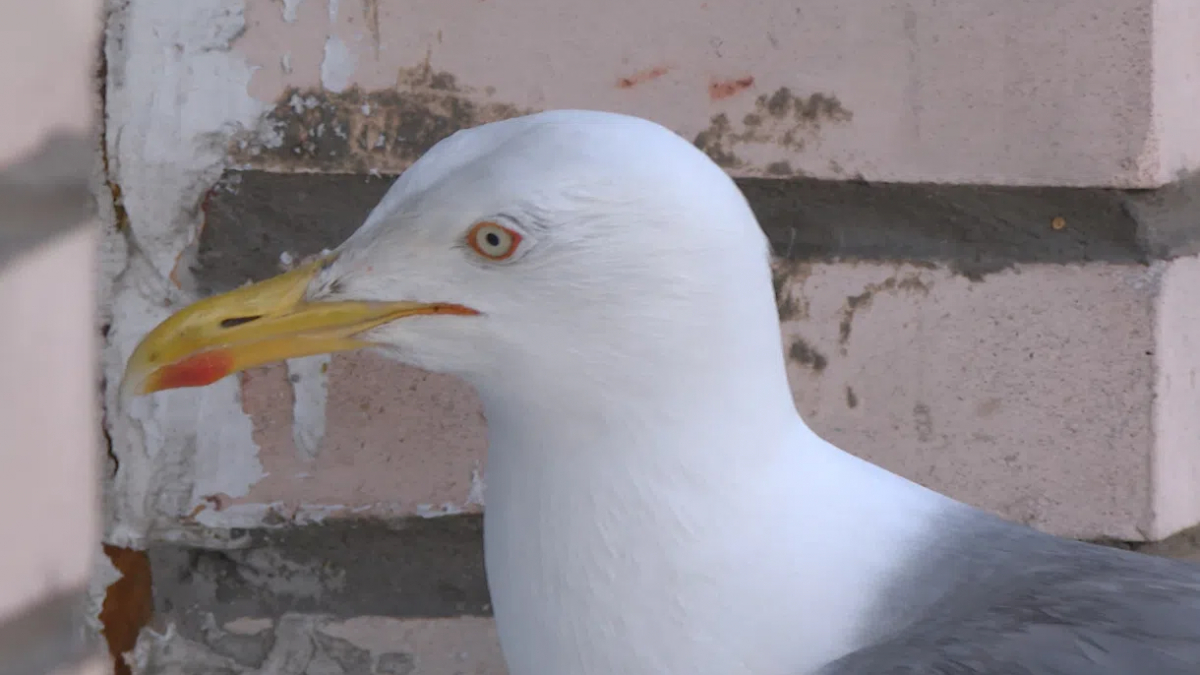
(129, 389)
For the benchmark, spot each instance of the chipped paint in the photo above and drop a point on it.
(290, 8)
(475, 496)
(439, 510)
(301, 644)
(337, 68)
(339, 61)
(176, 99)
(226, 515)
(310, 391)
(360, 131)
(248, 625)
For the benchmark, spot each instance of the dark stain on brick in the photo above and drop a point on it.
(719, 90)
(128, 603)
(715, 141)
(784, 274)
(784, 301)
(360, 131)
(783, 168)
(923, 422)
(641, 77)
(781, 118)
(851, 398)
(857, 302)
(805, 354)
(396, 663)
(815, 108)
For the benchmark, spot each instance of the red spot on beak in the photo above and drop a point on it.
(196, 371)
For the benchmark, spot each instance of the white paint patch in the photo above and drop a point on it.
(275, 514)
(285, 63)
(237, 515)
(289, 10)
(248, 625)
(177, 97)
(176, 447)
(104, 574)
(226, 455)
(310, 391)
(312, 514)
(168, 652)
(475, 495)
(338, 65)
(437, 511)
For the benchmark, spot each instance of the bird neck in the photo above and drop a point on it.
(690, 527)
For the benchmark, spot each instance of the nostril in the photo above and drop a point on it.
(238, 320)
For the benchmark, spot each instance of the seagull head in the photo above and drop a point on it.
(557, 244)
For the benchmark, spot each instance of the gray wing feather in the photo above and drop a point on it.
(1011, 601)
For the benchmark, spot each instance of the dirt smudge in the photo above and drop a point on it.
(357, 131)
(805, 354)
(642, 76)
(864, 299)
(719, 90)
(782, 118)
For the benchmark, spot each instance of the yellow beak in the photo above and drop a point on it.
(254, 325)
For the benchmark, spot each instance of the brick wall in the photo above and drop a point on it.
(986, 233)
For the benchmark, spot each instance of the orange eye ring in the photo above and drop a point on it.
(492, 240)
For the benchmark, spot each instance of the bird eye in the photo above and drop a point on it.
(493, 241)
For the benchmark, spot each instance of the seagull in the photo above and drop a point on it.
(654, 502)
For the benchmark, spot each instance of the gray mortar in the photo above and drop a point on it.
(255, 216)
(341, 568)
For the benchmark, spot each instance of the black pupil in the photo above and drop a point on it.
(492, 239)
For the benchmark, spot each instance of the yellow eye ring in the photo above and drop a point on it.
(492, 240)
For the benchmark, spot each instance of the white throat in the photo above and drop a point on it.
(684, 532)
